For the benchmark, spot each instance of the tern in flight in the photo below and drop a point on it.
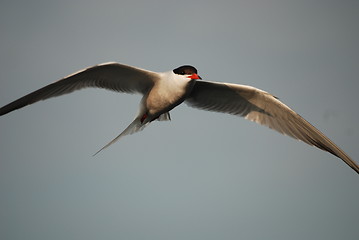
(162, 91)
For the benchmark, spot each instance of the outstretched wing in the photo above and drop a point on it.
(263, 108)
(111, 76)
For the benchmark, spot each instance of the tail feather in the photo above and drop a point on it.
(134, 127)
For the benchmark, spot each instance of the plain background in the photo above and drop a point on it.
(203, 175)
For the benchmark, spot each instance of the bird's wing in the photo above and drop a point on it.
(263, 108)
(111, 76)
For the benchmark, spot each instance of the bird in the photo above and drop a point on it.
(163, 91)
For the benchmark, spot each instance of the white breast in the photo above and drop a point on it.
(167, 92)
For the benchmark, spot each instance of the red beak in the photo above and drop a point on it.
(194, 76)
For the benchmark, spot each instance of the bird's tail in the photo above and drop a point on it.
(134, 127)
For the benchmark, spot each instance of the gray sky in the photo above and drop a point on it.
(203, 175)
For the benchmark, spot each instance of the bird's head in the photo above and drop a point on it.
(188, 71)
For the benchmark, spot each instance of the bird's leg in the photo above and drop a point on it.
(144, 116)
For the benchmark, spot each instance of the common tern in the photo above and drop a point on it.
(162, 91)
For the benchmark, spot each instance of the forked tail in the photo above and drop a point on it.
(134, 127)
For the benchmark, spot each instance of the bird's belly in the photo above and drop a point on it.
(162, 98)
(159, 102)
